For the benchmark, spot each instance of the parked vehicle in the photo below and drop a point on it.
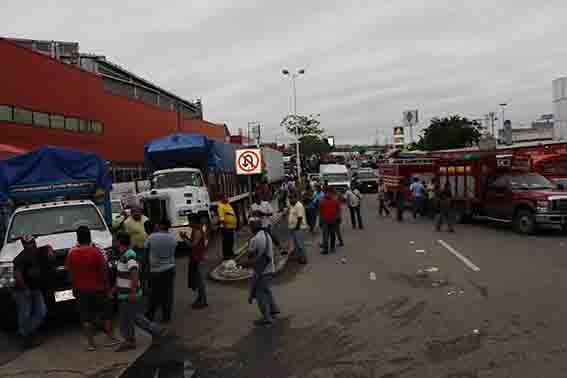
(399, 172)
(337, 175)
(273, 165)
(502, 188)
(367, 180)
(189, 173)
(49, 193)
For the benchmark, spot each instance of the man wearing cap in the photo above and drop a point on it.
(31, 271)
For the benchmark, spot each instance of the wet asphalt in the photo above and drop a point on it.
(393, 303)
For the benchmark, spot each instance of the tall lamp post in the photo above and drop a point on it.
(293, 76)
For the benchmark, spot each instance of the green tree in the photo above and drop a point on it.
(313, 144)
(449, 132)
(303, 125)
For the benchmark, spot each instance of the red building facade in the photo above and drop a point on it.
(44, 101)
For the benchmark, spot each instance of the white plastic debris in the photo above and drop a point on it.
(433, 269)
(372, 276)
(412, 242)
(476, 331)
(343, 260)
(420, 251)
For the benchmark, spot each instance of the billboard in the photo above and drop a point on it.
(410, 118)
(399, 136)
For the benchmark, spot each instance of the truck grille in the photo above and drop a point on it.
(559, 205)
(155, 209)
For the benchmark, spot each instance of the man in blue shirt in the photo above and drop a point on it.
(418, 197)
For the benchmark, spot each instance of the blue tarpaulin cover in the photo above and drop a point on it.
(190, 150)
(51, 170)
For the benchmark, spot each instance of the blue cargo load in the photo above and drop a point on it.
(51, 172)
(190, 150)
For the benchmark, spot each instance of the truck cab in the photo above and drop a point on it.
(176, 193)
(337, 176)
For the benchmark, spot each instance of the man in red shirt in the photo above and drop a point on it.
(89, 277)
(329, 208)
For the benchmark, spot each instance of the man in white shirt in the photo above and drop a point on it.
(263, 210)
(297, 226)
(354, 200)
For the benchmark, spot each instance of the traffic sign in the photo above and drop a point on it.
(249, 161)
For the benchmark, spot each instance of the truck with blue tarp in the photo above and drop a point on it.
(48, 193)
(189, 173)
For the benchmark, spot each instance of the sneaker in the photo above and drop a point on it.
(262, 323)
(126, 346)
(199, 305)
(111, 342)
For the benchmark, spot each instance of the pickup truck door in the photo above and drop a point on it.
(498, 198)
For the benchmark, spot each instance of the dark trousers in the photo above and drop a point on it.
(400, 213)
(445, 216)
(228, 243)
(265, 297)
(311, 215)
(275, 240)
(382, 208)
(161, 296)
(417, 204)
(197, 280)
(329, 236)
(355, 217)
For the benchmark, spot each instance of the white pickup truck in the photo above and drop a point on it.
(54, 224)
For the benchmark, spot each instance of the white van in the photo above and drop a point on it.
(337, 176)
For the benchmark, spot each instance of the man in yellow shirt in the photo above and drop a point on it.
(135, 226)
(228, 223)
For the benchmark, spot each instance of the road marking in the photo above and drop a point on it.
(466, 261)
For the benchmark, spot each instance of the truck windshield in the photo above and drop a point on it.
(366, 175)
(336, 177)
(530, 182)
(55, 220)
(177, 180)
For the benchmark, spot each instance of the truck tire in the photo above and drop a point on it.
(524, 222)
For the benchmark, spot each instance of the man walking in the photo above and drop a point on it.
(418, 196)
(310, 209)
(329, 208)
(297, 225)
(160, 248)
(87, 267)
(354, 200)
(228, 222)
(31, 269)
(199, 244)
(445, 209)
(261, 255)
(136, 226)
(129, 293)
(263, 210)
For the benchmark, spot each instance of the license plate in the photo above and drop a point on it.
(65, 295)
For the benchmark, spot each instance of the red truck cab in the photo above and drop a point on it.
(502, 188)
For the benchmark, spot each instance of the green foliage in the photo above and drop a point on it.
(449, 132)
(313, 144)
(302, 125)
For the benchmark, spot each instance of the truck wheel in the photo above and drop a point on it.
(524, 222)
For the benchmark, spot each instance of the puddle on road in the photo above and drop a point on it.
(444, 350)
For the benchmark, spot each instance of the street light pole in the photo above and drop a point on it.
(293, 76)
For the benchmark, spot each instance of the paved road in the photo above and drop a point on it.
(494, 308)
(491, 307)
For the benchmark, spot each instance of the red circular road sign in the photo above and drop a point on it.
(248, 161)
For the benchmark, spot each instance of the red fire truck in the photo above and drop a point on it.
(502, 188)
(400, 172)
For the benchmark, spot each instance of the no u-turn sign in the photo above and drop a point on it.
(249, 161)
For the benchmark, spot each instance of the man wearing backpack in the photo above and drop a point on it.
(354, 200)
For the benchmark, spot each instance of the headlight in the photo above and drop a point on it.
(7, 279)
(542, 206)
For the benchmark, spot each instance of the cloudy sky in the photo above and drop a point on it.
(366, 61)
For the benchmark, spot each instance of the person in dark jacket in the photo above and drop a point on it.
(199, 244)
(445, 209)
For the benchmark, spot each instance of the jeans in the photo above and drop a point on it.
(264, 296)
(228, 243)
(31, 311)
(161, 296)
(382, 208)
(197, 280)
(329, 234)
(417, 204)
(445, 216)
(298, 237)
(355, 217)
(132, 315)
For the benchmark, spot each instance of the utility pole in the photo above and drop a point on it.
(293, 76)
(493, 118)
